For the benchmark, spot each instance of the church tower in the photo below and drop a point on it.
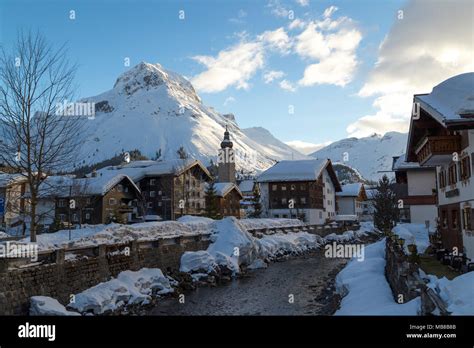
(226, 160)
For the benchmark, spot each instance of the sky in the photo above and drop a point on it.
(312, 72)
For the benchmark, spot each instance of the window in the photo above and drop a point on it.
(303, 200)
(112, 201)
(454, 221)
(126, 189)
(285, 216)
(283, 187)
(293, 187)
(442, 178)
(452, 174)
(62, 217)
(119, 188)
(152, 194)
(160, 193)
(466, 217)
(320, 214)
(149, 205)
(88, 201)
(75, 218)
(159, 204)
(444, 219)
(88, 216)
(274, 187)
(62, 203)
(152, 182)
(283, 201)
(465, 168)
(303, 187)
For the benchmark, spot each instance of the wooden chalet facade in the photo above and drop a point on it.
(303, 189)
(228, 199)
(170, 189)
(442, 135)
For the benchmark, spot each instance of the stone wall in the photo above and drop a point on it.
(404, 279)
(64, 272)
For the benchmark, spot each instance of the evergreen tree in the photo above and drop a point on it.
(212, 210)
(257, 206)
(386, 212)
(182, 154)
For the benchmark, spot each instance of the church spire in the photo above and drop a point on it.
(226, 142)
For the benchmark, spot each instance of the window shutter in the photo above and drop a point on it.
(472, 220)
(468, 167)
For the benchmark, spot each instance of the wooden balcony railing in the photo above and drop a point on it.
(437, 146)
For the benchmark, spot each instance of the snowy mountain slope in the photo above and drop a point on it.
(152, 109)
(368, 155)
(274, 147)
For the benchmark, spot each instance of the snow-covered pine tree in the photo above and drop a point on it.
(212, 209)
(386, 212)
(257, 206)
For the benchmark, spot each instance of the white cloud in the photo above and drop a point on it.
(276, 39)
(277, 9)
(303, 3)
(241, 14)
(430, 44)
(287, 86)
(271, 75)
(335, 51)
(232, 67)
(306, 147)
(296, 24)
(229, 100)
(329, 11)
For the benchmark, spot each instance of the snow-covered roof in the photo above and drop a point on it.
(137, 170)
(399, 163)
(301, 170)
(62, 186)
(223, 188)
(350, 190)
(246, 185)
(449, 100)
(7, 179)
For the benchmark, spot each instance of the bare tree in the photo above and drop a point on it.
(36, 140)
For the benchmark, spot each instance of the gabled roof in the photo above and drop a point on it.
(62, 186)
(301, 170)
(246, 185)
(137, 170)
(224, 188)
(451, 102)
(351, 190)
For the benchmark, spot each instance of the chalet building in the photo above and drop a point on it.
(170, 189)
(442, 135)
(97, 199)
(228, 193)
(416, 187)
(304, 189)
(228, 199)
(14, 206)
(246, 187)
(350, 200)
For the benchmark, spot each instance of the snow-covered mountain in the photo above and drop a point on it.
(369, 155)
(155, 110)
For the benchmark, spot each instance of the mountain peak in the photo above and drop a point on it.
(147, 76)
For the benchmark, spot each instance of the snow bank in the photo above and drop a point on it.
(44, 305)
(413, 233)
(457, 293)
(4, 235)
(270, 223)
(366, 290)
(232, 246)
(128, 288)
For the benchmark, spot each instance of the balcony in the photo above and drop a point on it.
(437, 150)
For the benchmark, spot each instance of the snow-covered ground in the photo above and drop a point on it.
(127, 289)
(413, 234)
(366, 290)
